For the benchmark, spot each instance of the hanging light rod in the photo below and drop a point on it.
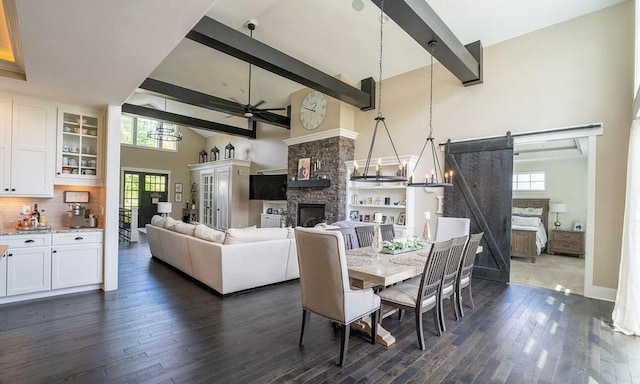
(435, 178)
(401, 174)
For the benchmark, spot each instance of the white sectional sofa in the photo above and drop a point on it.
(230, 261)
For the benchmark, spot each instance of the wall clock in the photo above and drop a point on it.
(313, 109)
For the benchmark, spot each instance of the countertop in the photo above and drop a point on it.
(13, 231)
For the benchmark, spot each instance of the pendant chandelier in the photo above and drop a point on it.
(401, 174)
(163, 132)
(435, 178)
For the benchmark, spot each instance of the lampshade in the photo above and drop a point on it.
(558, 207)
(164, 207)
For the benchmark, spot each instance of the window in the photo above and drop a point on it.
(133, 131)
(131, 190)
(529, 181)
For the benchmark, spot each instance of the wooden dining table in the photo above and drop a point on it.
(368, 269)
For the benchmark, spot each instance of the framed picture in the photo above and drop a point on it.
(366, 218)
(178, 198)
(369, 200)
(384, 219)
(578, 226)
(304, 168)
(392, 219)
(401, 218)
(178, 187)
(353, 215)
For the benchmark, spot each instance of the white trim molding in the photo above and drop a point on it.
(209, 164)
(337, 132)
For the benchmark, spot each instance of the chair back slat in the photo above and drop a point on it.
(346, 236)
(388, 233)
(433, 269)
(453, 262)
(365, 235)
(469, 257)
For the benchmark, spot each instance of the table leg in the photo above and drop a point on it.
(383, 337)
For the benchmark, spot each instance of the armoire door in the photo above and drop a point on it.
(207, 206)
(482, 191)
(222, 198)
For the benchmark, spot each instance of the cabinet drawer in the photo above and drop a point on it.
(77, 238)
(567, 236)
(567, 246)
(26, 241)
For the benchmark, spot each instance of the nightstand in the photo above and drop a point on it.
(567, 242)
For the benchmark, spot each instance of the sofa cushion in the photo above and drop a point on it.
(185, 228)
(205, 233)
(158, 221)
(250, 235)
(170, 223)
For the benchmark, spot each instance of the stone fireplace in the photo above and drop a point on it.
(328, 153)
(310, 214)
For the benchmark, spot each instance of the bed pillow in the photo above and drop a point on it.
(209, 234)
(526, 212)
(158, 221)
(526, 221)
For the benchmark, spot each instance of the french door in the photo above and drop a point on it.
(143, 190)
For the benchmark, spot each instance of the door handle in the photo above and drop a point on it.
(54, 251)
(13, 189)
(29, 241)
(10, 254)
(78, 238)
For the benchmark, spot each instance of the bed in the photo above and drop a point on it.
(528, 232)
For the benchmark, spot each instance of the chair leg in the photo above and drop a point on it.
(374, 326)
(436, 321)
(400, 313)
(443, 326)
(344, 345)
(459, 302)
(453, 299)
(470, 297)
(305, 319)
(419, 330)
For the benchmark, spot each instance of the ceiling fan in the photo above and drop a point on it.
(249, 110)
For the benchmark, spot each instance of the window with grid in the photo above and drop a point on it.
(133, 131)
(529, 181)
(155, 183)
(131, 190)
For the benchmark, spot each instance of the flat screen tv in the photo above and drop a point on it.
(268, 187)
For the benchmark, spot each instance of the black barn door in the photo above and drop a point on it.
(482, 191)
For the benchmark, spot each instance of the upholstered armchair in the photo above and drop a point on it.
(324, 284)
(450, 227)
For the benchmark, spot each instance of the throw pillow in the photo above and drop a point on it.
(252, 234)
(158, 221)
(170, 223)
(185, 228)
(209, 234)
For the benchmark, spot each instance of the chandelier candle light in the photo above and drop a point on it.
(163, 132)
(435, 178)
(401, 174)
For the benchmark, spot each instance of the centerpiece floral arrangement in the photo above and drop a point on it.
(403, 245)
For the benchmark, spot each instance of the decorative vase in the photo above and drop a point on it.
(376, 244)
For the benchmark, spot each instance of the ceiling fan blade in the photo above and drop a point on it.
(259, 103)
(270, 109)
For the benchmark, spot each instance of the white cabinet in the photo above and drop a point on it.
(27, 146)
(271, 221)
(28, 265)
(392, 199)
(76, 259)
(224, 188)
(79, 148)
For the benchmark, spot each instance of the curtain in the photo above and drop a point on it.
(626, 312)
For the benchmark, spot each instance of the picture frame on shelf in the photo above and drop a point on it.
(384, 219)
(353, 215)
(578, 226)
(369, 200)
(304, 168)
(178, 198)
(367, 218)
(178, 188)
(401, 218)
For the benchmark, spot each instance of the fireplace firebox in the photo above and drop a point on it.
(310, 214)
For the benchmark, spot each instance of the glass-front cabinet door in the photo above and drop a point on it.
(79, 148)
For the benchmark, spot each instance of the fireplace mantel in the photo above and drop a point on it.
(320, 183)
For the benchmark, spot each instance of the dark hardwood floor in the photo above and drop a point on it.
(161, 327)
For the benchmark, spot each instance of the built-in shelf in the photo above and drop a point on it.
(322, 183)
(377, 206)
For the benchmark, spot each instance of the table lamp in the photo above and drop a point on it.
(164, 208)
(557, 208)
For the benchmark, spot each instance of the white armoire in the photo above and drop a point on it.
(223, 193)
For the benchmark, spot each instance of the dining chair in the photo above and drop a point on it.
(346, 236)
(365, 235)
(450, 278)
(450, 227)
(422, 294)
(466, 269)
(388, 233)
(324, 284)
